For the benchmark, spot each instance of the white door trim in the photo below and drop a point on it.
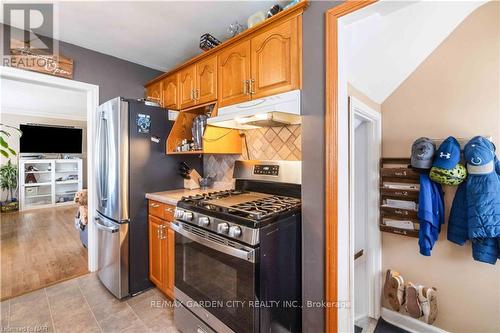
(92, 92)
(374, 237)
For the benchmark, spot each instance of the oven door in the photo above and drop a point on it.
(217, 274)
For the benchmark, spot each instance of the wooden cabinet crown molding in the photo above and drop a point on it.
(296, 10)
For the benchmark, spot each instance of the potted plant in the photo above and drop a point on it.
(8, 171)
(8, 182)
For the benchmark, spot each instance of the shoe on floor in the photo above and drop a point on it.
(412, 300)
(394, 289)
(428, 301)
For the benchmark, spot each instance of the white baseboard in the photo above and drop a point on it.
(408, 323)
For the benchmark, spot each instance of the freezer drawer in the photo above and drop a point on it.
(112, 240)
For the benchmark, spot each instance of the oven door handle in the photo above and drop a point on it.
(247, 254)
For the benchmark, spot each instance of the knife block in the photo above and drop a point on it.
(192, 183)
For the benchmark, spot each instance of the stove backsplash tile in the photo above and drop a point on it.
(267, 143)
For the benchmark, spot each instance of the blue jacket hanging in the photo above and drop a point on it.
(485, 250)
(430, 213)
(474, 212)
(483, 189)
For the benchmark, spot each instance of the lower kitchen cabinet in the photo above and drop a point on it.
(161, 247)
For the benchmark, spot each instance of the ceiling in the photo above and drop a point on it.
(158, 34)
(29, 99)
(385, 42)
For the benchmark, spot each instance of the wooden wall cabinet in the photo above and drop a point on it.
(187, 84)
(275, 60)
(266, 64)
(234, 73)
(153, 92)
(170, 92)
(261, 61)
(206, 80)
(161, 247)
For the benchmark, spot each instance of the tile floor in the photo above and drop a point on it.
(84, 305)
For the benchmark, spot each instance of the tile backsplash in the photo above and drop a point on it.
(267, 143)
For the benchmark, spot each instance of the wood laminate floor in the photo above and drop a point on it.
(39, 248)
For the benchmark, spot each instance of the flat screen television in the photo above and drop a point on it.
(50, 139)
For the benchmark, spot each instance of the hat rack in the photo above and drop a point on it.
(461, 141)
(398, 181)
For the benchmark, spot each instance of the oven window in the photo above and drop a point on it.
(227, 282)
(200, 270)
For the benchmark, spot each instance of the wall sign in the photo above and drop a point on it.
(25, 58)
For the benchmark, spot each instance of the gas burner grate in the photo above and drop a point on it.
(212, 195)
(265, 207)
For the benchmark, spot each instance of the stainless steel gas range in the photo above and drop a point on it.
(238, 253)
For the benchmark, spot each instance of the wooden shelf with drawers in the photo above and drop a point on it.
(396, 171)
(161, 246)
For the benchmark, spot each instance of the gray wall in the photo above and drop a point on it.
(115, 77)
(313, 166)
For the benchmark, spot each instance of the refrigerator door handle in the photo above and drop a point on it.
(101, 226)
(103, 156)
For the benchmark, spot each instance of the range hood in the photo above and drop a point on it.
(272, 111)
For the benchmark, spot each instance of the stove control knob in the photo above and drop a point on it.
(179, 213)
(223, 228)
(188, 216)
(203, 221)
(235, 231)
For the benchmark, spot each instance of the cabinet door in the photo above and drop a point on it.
(170, 93)
(276, 60)
(153, 92)
(169, 255)
(206, 80)
(233, 71)
(156, 266)
(187, 82)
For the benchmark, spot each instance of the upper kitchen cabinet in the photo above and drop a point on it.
(153, 92)
(170, 92)
(234, 74)
(206, 80)
(275, 58)
(187, 85)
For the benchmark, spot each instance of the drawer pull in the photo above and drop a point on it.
(154, 205)
(170, 210)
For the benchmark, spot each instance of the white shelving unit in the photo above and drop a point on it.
(55, 182)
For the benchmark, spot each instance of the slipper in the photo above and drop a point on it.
(412, 300)
(394, 289)
(428, 301)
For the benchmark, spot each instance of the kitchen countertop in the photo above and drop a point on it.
(171, 197)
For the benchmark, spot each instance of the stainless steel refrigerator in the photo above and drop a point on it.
(130, 161)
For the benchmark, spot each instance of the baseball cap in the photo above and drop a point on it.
(448, 154)
(422, 152)
(479, 151)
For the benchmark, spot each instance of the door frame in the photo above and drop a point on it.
(332, 277)
(374, 237)
(92, 93)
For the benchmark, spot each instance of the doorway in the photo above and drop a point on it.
(54, 251)
(364, 151)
